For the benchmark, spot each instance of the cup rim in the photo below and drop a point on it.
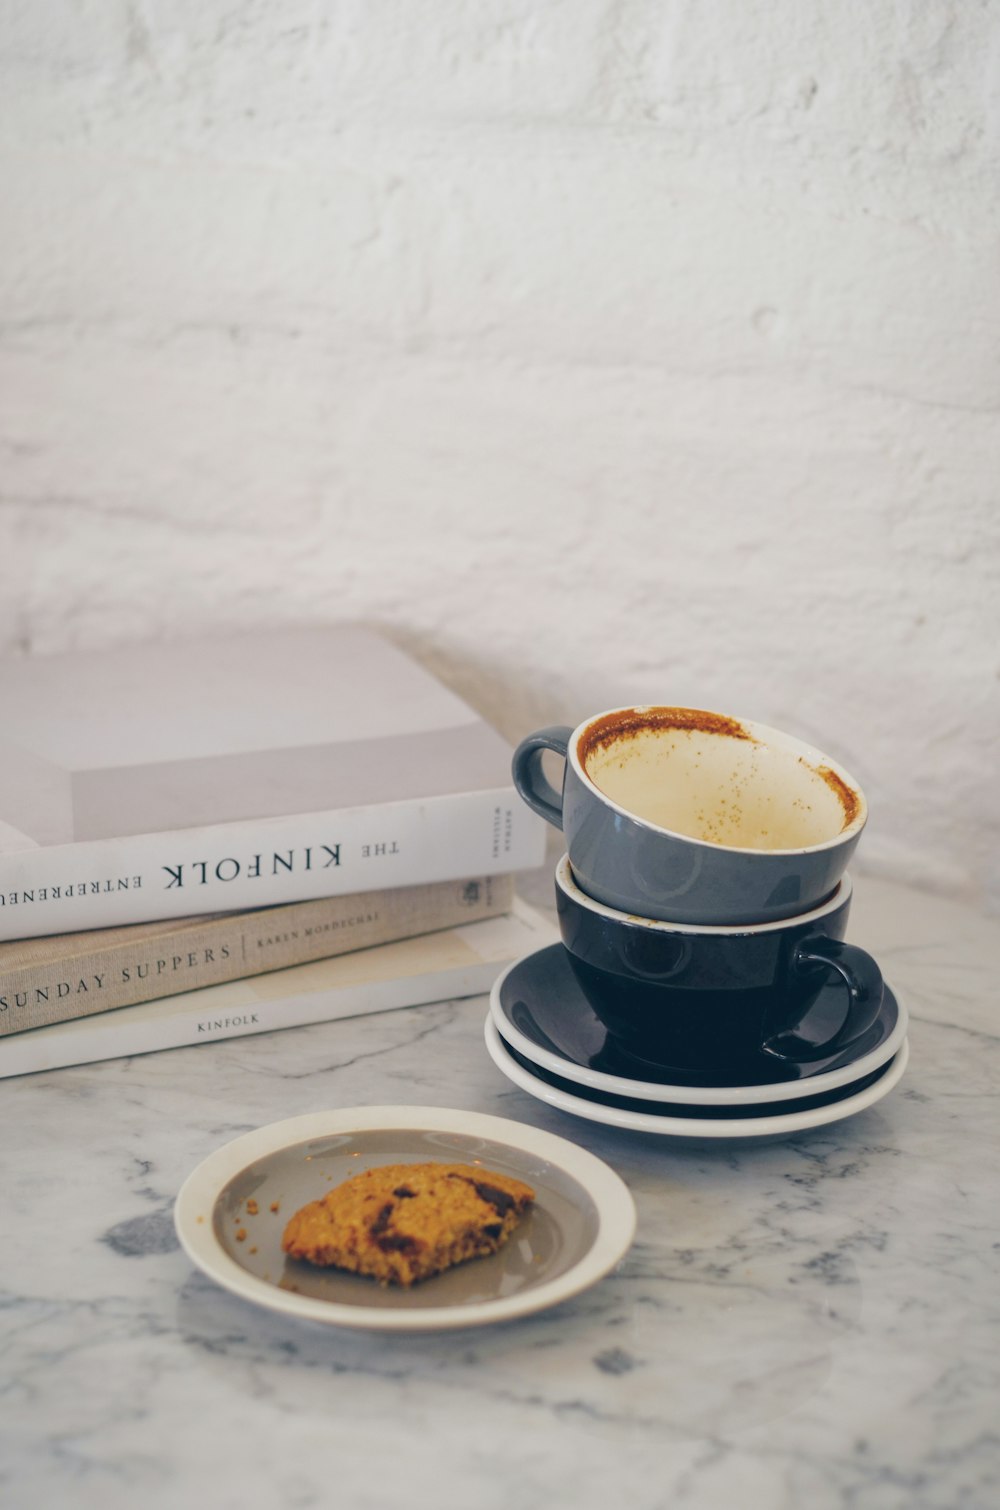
(765, 734)
(568, 885)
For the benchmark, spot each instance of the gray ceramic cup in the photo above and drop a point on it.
(695, 817)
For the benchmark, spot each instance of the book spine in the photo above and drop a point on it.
(241, 866)
(127, 970)
(76, 1043)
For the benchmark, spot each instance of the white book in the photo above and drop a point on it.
(440, 966)
(219, 775)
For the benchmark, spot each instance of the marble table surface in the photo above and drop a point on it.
(814, 1322)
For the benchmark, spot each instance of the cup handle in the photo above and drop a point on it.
(863, 980)
(529, 778)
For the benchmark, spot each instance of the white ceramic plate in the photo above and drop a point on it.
(540, 991)
(582, 1222)
(739, 1126)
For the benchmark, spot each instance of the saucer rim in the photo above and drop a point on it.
(689, 1127)
(726, 1095)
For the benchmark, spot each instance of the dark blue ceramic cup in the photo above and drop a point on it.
(709, 999)
(695, 817)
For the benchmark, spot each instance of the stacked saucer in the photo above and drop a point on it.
(544, 1035)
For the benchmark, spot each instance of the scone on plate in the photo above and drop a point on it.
(404, 1222)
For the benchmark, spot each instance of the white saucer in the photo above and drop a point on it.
(715, 1123)
(541, 1012)
(581, 1223)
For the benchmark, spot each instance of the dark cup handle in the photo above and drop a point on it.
(863, 980)
(529, 778)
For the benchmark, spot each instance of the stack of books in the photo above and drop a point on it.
(200, 840)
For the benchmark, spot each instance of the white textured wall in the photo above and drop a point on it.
(598, 349)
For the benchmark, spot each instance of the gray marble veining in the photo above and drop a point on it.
(811, 1322)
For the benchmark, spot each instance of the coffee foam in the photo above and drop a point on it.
(710, 778)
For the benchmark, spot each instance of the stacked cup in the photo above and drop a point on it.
(703, 899)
